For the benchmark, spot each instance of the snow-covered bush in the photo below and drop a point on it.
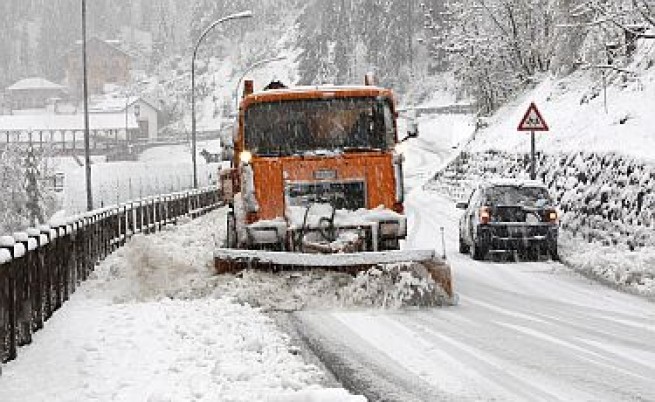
(25, 197)
(607, 198)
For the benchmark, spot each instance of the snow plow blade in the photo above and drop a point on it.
(235, 260)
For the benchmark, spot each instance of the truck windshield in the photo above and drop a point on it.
(304, 126)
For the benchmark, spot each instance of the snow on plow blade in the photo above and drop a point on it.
(234, 260)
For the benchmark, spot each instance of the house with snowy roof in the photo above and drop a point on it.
(33, 93)
(146, 114)
(107, 63)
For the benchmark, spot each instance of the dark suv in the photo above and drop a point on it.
(509, 216)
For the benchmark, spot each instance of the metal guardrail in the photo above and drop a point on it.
(41, 267)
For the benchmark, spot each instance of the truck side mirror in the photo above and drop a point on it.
(412, 131)
(227, 154)
(412, 125)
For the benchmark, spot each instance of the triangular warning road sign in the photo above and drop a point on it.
(532, 120)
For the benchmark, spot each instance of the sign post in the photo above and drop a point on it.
(533, 121)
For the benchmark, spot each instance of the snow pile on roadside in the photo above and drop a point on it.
(175, 263)
(392, 286)
(170, 350)
(144, 327)
(617, 266)
(178, 263)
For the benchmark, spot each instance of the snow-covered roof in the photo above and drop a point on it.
(34, 83)
(116, 104)
(61, 122)
(327, 87)
(315, 92)
(114, 44)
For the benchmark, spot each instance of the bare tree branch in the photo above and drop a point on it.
(645, 11)
(607, 67)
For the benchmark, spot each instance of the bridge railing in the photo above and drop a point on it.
(41, 267)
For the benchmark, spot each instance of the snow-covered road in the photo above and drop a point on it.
(522, 331)
(154, 324)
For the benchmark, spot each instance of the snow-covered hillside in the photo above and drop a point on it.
(574, 109)
(599, 166)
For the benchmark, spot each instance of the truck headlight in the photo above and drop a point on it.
(245, 157)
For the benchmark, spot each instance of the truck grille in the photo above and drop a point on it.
(342, 195)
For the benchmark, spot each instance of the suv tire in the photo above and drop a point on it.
(463, 247)
(552, 250)
(476, 251)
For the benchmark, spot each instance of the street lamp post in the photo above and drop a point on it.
(245, 14)
(249, 69)
(87, 157)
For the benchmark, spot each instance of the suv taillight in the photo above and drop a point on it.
(485, 215)
(551, 216)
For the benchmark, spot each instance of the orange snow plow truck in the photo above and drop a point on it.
(316, 181)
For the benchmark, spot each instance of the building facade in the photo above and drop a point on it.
(145, 114)
(33, 93)
(106, 64)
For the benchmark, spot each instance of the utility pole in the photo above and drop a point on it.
(533, 156)
(87, 157)
(410, 33)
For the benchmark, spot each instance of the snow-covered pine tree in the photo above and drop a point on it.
(26, 199)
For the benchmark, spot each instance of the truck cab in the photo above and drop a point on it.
(315, 169)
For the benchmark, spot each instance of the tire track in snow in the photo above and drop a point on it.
(554, 352)
(347, 356)
(582, 353)
(537, 364)
(502, 379)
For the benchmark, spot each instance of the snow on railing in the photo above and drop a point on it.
(41, 267)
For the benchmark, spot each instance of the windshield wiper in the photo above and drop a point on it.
(361, 149)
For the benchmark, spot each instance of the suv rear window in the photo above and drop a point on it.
(517, 195)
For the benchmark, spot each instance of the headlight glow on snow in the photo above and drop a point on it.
(245, 156)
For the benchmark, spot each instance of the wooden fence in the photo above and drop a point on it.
(41, 268)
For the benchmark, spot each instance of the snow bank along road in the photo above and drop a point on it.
(522, 331)
(153, 324)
